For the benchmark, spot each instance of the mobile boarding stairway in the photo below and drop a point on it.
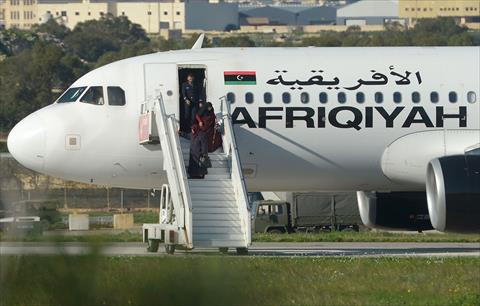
(196, 213)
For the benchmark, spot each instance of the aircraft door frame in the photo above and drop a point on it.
(162, 78)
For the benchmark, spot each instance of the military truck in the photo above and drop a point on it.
(308, 212)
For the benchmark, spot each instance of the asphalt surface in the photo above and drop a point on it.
(267, 249)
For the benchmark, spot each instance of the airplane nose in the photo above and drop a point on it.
(26, 142)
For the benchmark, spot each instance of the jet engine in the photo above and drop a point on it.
(394, 210)
(453, 193)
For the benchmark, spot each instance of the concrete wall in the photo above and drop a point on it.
(123, 221)
(78, 222)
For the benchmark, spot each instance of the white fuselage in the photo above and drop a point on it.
(300, 145)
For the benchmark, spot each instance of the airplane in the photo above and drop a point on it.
(399, 125)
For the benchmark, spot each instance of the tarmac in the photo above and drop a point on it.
(263, 249)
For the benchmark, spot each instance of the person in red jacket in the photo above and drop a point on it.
(207, 121)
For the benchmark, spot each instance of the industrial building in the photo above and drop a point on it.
(466, 12)
(291, 15)
(369, 12)
(154, 16)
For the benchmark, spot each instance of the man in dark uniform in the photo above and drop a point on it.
(190, 96)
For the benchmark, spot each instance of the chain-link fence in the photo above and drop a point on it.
(20, 187)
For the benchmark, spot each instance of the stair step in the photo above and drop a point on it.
(215, 204)
(214, 197)
(215, 217)
(213, 223)
(220, 243)
(210, 183)
(217, 177)
(218, 229)
(212, 156)
(211, 190)
(215, 210)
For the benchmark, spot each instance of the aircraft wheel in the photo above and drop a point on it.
(223, 250)
(242, 251)
(152, 246)
(170, 249)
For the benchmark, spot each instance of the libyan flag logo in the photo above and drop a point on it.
(240, 77)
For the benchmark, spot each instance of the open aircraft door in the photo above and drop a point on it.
(162, 78)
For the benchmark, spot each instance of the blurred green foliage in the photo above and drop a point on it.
(37, 65)
(228, 280)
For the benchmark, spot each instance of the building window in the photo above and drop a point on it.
(434, 97)
(304, 97)
(77, 13)
(471, 97)
(249, 97)
(360, 97)
(323, 97)
(397, 97)
(149, 13)
(231, 97)
(267, 98)
(286, 98)
(64, 13)
(102, 13)
(89, 13)
(379, 97)
(178, 13)
(165, 13)
(415, 97)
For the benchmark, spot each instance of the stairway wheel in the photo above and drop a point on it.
(170, 249)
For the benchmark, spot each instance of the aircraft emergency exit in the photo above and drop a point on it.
(400, 125)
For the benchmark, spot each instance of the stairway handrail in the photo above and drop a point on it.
(173, 160)
(230, 147)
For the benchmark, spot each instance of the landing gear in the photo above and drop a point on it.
(242, 251)
(170, 249)
(223, 250)
(152, 246)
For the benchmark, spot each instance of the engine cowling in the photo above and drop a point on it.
(394, 210)
(453, 193)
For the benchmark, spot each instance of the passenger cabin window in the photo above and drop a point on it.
(342, 97)
(415, 97)
(116, 96)
(71, 95)
(249, 97)
(360, 97)
(94, 95)
(379, 97)
(397, 97)
(434, 97)
(323, 97)
(231, 97)
(286, 98)
(267, 98)
(471, 97)
(304, 97)
(452, 97)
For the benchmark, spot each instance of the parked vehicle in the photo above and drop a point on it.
(24, 224)
(308, 212)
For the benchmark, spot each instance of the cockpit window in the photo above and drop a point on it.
(116, 96)
(71, 95)
(94, 95)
